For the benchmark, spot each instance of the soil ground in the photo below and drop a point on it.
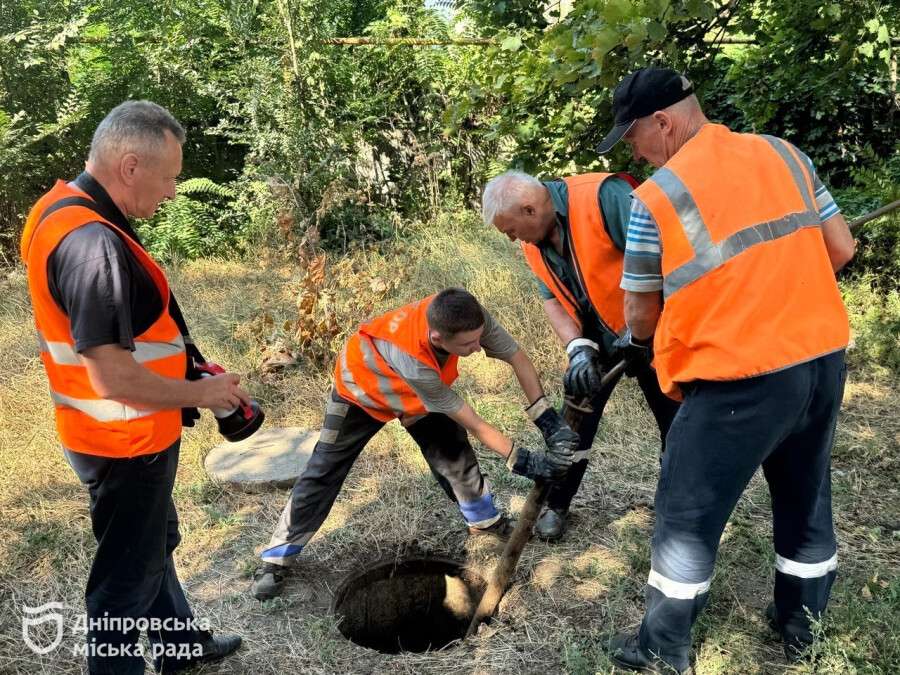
(567, 598)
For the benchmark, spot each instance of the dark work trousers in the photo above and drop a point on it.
(724, 431)
(133, 575)
(662, 407)
(345, 432)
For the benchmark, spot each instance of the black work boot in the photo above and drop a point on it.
(268, 580)
(625, 651)
(212, 648)
(795, 650)
(216, 647)
(551, 525)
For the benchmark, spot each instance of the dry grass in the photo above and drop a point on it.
(567, 598)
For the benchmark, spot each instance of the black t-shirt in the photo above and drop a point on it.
(98, 282)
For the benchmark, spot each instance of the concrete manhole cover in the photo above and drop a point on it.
(272, 458)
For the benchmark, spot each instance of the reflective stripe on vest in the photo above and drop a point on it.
(100, 409)
(597, 261)
(709, 255)
(64, 354)
(383, 384)
(748, 284)
(85, 421)
(364, 377)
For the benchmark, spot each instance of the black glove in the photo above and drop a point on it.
(582, 377)
(194, 358)
(638, 354)
(558, 436)
(537, 465)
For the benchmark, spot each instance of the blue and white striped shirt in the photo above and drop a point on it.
(643, 250)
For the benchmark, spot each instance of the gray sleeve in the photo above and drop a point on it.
(90, 280)
(496, 342)
(426, 382)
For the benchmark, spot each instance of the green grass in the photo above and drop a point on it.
(567, 599)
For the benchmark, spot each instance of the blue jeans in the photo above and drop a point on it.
(783, 421)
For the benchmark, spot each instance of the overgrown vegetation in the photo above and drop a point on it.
(318, 144)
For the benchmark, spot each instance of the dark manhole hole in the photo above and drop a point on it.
(408, 605)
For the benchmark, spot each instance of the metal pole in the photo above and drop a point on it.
(877, 213)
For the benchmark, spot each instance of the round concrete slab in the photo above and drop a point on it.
(271, 458)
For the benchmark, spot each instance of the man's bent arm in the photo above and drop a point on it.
(527, 376)
(839, 241)
(563, 324)
(115, 375)
(642, 312)
(489, 436)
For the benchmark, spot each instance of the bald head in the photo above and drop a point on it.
(687, 111)
(657, 137)
(519, 206)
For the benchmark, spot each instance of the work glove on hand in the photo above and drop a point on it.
(537, 465)
(638, 354)
(558, 436)
(194, 358)
(582, 377)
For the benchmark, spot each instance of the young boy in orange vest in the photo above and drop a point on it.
(401, 366)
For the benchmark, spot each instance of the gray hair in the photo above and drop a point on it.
(133, 126)
(504, 192)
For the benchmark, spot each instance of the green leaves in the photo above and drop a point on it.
(616, 11)
(511, 44)
(656, 31)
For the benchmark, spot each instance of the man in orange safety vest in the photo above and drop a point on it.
(401, 366)
(729, 279)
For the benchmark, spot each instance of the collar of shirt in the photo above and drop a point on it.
(106, 207)
(559, 193)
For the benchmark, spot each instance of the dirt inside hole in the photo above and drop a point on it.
(408, 605)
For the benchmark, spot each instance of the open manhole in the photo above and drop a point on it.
(412, 604)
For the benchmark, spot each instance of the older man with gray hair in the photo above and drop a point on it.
(572, 232)
(116, 350)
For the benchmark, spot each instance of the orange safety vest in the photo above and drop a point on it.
(747, 281)
(361, 374)
(597, 261)
(86, 422)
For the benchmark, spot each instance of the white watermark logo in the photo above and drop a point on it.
(35, 616)
(49, 638)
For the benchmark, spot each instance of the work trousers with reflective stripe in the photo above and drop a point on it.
(723, 432)
(662, 407)
(345, 432)
(133, 575)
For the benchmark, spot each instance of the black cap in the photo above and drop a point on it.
(642, 93)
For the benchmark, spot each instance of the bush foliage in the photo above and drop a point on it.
(318, 144)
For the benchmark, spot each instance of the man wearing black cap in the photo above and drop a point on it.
(729, 269)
